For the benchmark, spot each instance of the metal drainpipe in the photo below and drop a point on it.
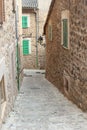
(17, 50)
(37, 32)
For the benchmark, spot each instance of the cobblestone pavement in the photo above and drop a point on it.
(40, 106)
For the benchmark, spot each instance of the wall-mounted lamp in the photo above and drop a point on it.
(40, 40)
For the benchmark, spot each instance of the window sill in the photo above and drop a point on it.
(26, 55)
(25, 27)
(50, 40)
(67, 48)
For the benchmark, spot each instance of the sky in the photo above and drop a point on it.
(44, 4)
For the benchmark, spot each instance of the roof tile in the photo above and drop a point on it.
(30, 3)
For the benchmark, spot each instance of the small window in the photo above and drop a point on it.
(50, 32)
(26, 47)
(25, 22)
(65, 33)
(65, 29)
(66, 83)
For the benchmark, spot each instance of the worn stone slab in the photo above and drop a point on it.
(40, 106)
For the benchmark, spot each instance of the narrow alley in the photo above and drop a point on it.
(40, 106)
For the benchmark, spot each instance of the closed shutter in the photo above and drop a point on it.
(26, 47)
(24, 21)
(65, 33)
(50, 32)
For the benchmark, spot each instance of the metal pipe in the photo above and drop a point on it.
(37, 33)
(17, 50)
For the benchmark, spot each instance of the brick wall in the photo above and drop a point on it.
(66, 68)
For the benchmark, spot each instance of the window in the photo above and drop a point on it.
(66, 83)
(50, 32)
(65, 33)
(2, 91)
(25, 21)
(2, 11)
(26, 47)
(65, 29)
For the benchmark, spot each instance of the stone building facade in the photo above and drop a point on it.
(42, 46)
(8, 73)
(66, 55)
(33, 55)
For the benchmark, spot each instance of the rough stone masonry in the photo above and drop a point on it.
(67, 68)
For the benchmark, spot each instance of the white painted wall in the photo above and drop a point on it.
(44, 4)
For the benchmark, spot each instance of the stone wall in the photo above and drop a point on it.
(78, 40)
(8, 53)
(29, 61)
(41, 48)
(20, 39)
(66, 68)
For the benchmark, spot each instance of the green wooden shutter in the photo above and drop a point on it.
(29, 47)
(24, 21)
(65, 33)
(25, 47)
(50, 32)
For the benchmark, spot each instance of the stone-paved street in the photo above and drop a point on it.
(40, 106)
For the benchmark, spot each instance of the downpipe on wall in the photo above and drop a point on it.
(37, 33)
(17, 48)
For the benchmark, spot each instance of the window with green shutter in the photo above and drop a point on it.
(65, 33)
(25, 22)
(26, 47)
(50, 32)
